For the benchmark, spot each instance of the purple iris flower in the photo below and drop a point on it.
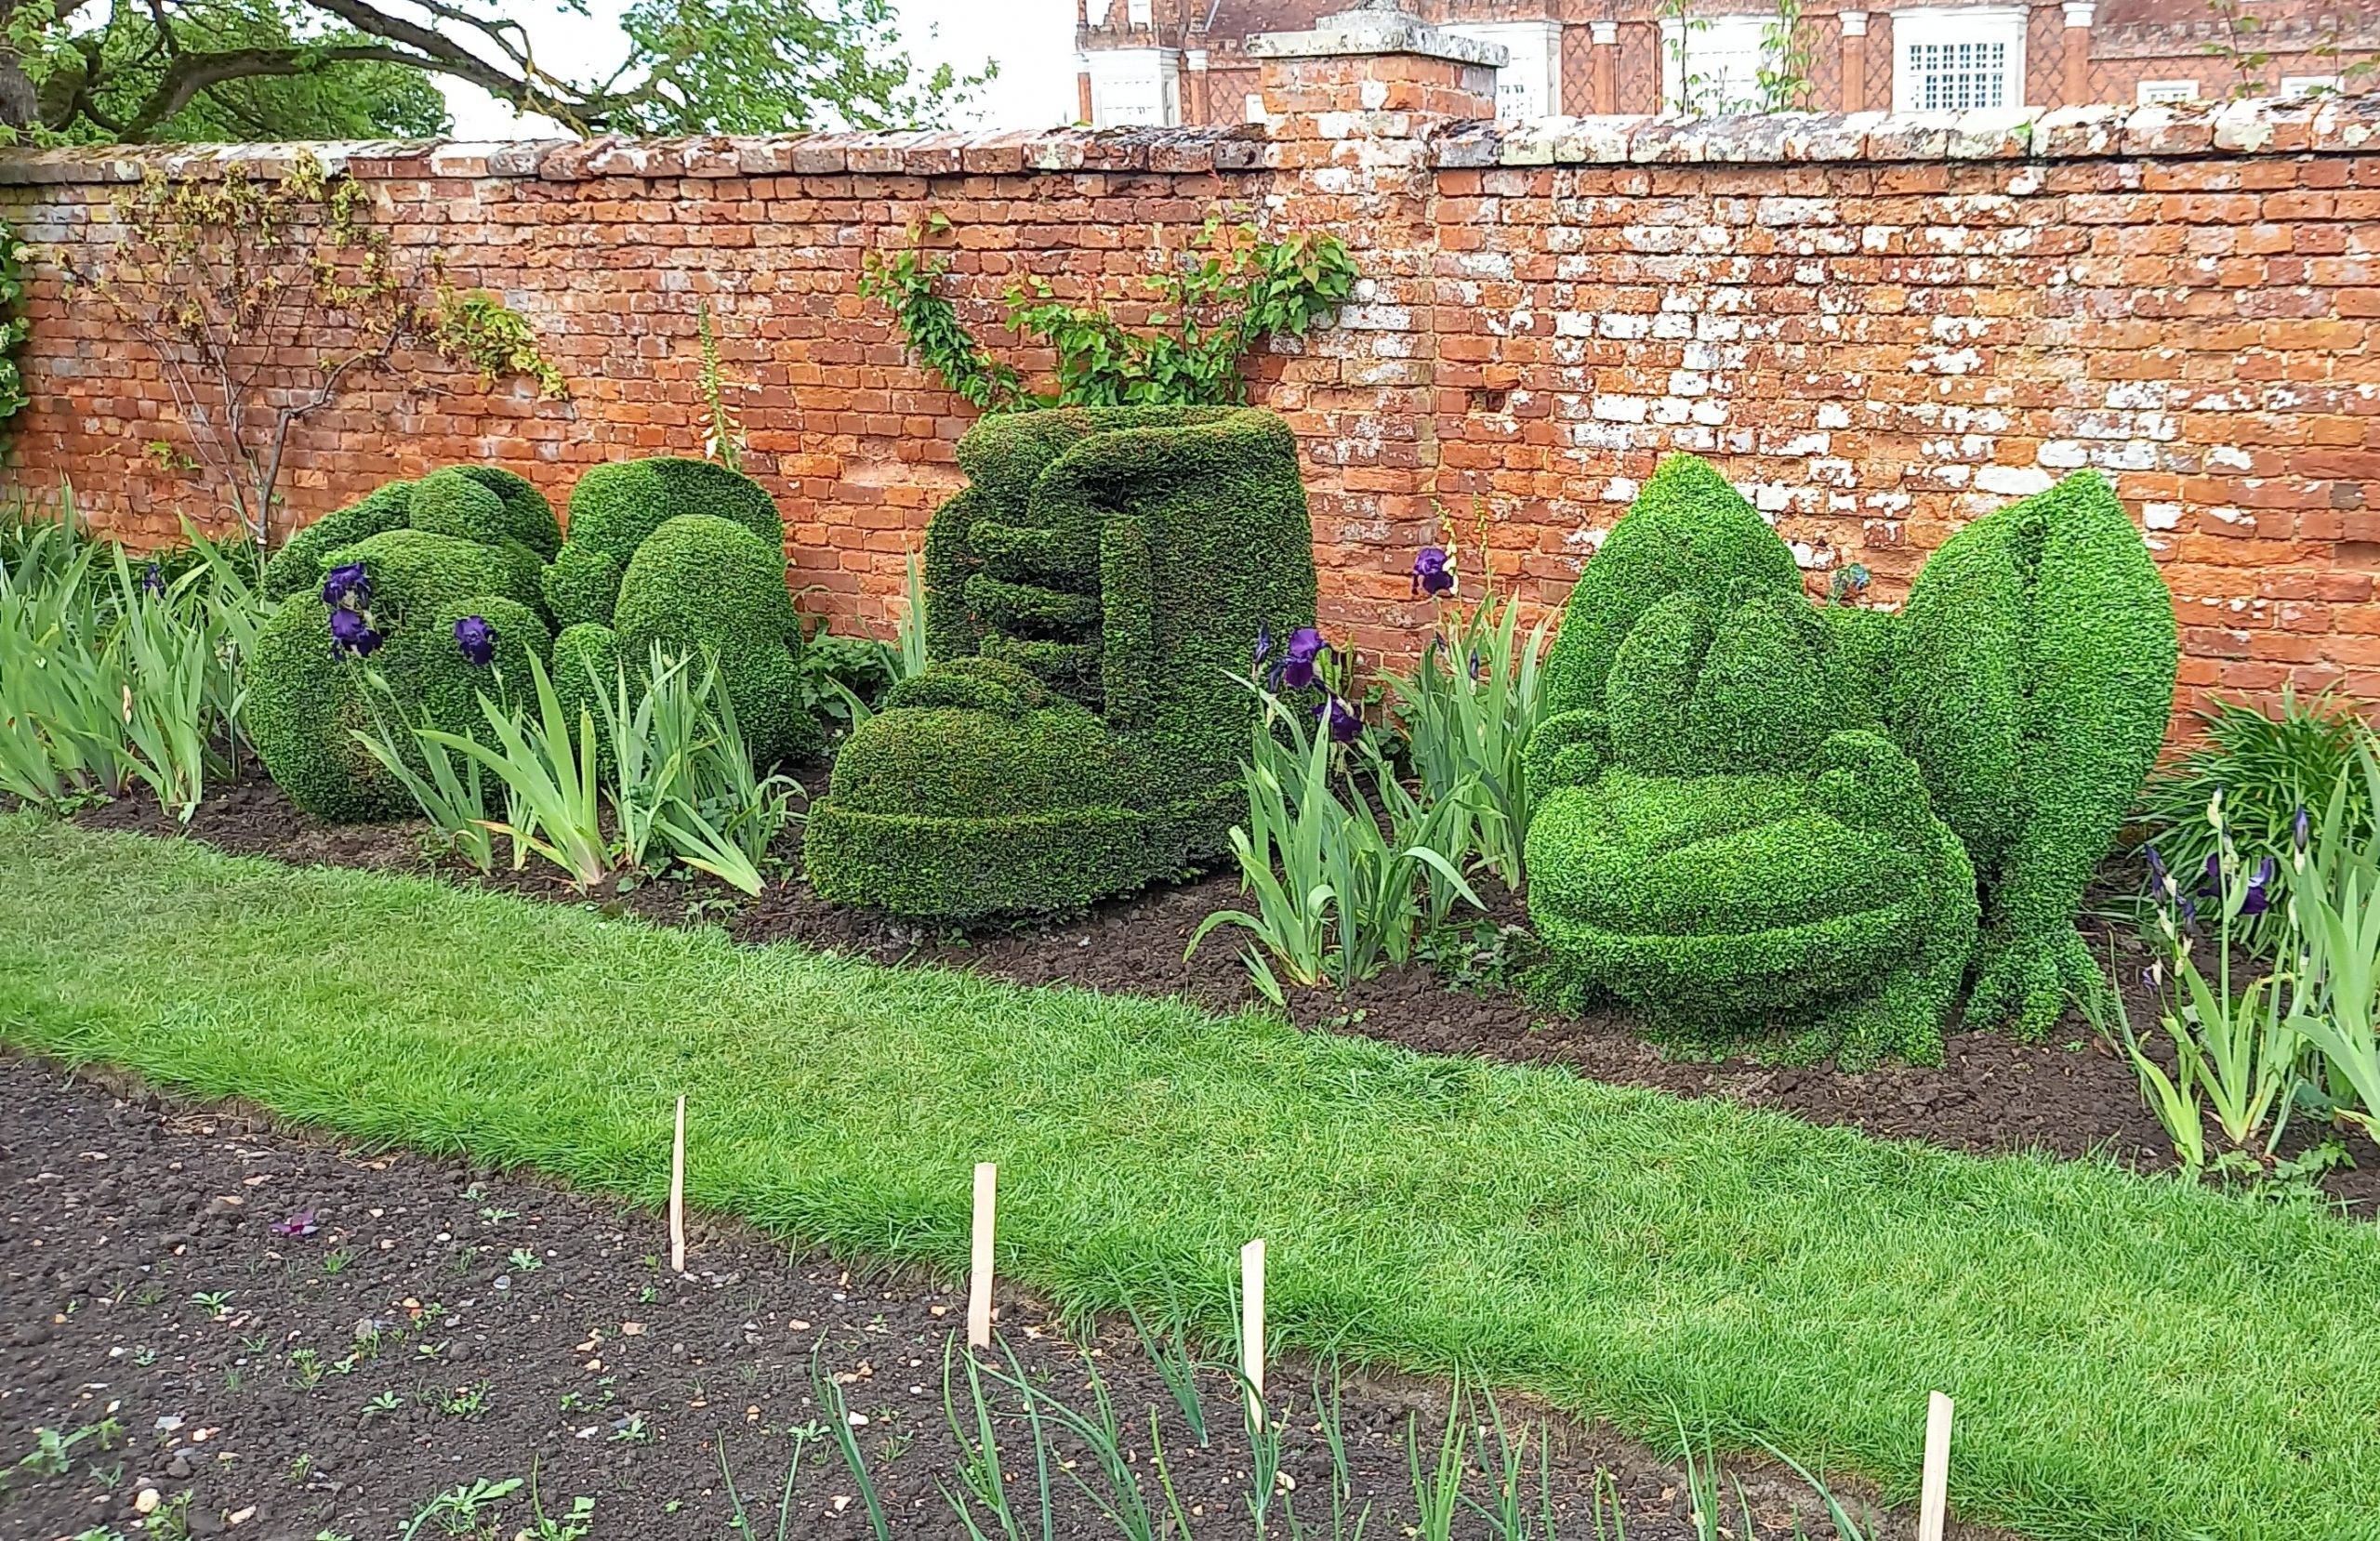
(1297, 664)
(2258, 897)
(341, 585)
(1264, 648)
(153, 579)
(477, 640)
(2211, 883)
(2157, 875)
(352, 633)
(1340, 717)
(1432, 571)
(1475, 663)
(2301, 830)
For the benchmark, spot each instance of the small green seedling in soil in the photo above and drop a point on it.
(467, 1403)
(574, 1524)
(334, 1262)
(494, 1215)
(631, 1430)
(215, 1302)
(457, 1508)
(383, 1406)
(525, 1261)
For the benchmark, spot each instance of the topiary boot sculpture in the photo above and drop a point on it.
(1090, 596)
(1763, 818)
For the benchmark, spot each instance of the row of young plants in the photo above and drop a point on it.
(117, 673)
(1473, 1478)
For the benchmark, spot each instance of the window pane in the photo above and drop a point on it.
(1955, 78)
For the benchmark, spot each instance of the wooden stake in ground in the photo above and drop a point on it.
(678, 1194)
(979, 1273)
(1252, 1327)
(1934, 1486)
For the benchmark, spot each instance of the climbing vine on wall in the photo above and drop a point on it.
(267, 294)
(1209, 304)
(13, 325)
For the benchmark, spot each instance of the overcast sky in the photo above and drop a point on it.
(1032, 40)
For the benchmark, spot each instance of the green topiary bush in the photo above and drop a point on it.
(309, 694)
(690, 556)
(1762, 818)
(615, 507)
(1090, 597)
(298, 566)
(703, 585)
(2033, 686)
(476, 502)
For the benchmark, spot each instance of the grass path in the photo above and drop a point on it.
(2131, 1358)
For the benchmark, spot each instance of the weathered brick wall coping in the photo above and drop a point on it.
(2335, 126)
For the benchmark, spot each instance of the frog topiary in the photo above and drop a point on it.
(1759, 817)
(1090, 597)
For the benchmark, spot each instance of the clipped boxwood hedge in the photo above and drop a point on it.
(1762, 817)
(678, 552)
(1090, 595)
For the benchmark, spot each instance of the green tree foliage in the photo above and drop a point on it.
(186, 69)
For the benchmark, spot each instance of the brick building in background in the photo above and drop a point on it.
(1168, 63)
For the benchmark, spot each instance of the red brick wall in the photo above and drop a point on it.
(1879, 330)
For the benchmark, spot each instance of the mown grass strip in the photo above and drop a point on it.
(2131, 1357)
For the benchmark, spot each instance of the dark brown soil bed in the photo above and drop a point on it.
(2073, 1096)
(256, 1332)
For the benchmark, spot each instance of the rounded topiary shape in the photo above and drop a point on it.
(448, 682)
(2033, 687)
(528, 517)
(1687, 530)
(615, 507)
(450, 503)
(702, 585)
(581, 585)
(1763, 699)
(587, 665)
(307, 699)
(412, 569)
(306, 702)
(298, 566)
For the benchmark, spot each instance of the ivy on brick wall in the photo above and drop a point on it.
(13, 323)
(1208, 307)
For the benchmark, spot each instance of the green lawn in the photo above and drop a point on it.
(2130, 1357)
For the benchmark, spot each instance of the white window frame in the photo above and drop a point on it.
(2307, 85)
(1139, 13)
(1924, 29)
(2150, 93)
(1741, 36)
(1530, 86)
(1135, 87)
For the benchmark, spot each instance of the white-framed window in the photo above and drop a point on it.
(2149, 92)
(1530, 86)
(1136, 88)
(1252, 108)
(2309, 85)
(1955, 58)
(1712, 63)
(1136, 12)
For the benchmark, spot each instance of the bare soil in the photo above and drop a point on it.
(250, 1331)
